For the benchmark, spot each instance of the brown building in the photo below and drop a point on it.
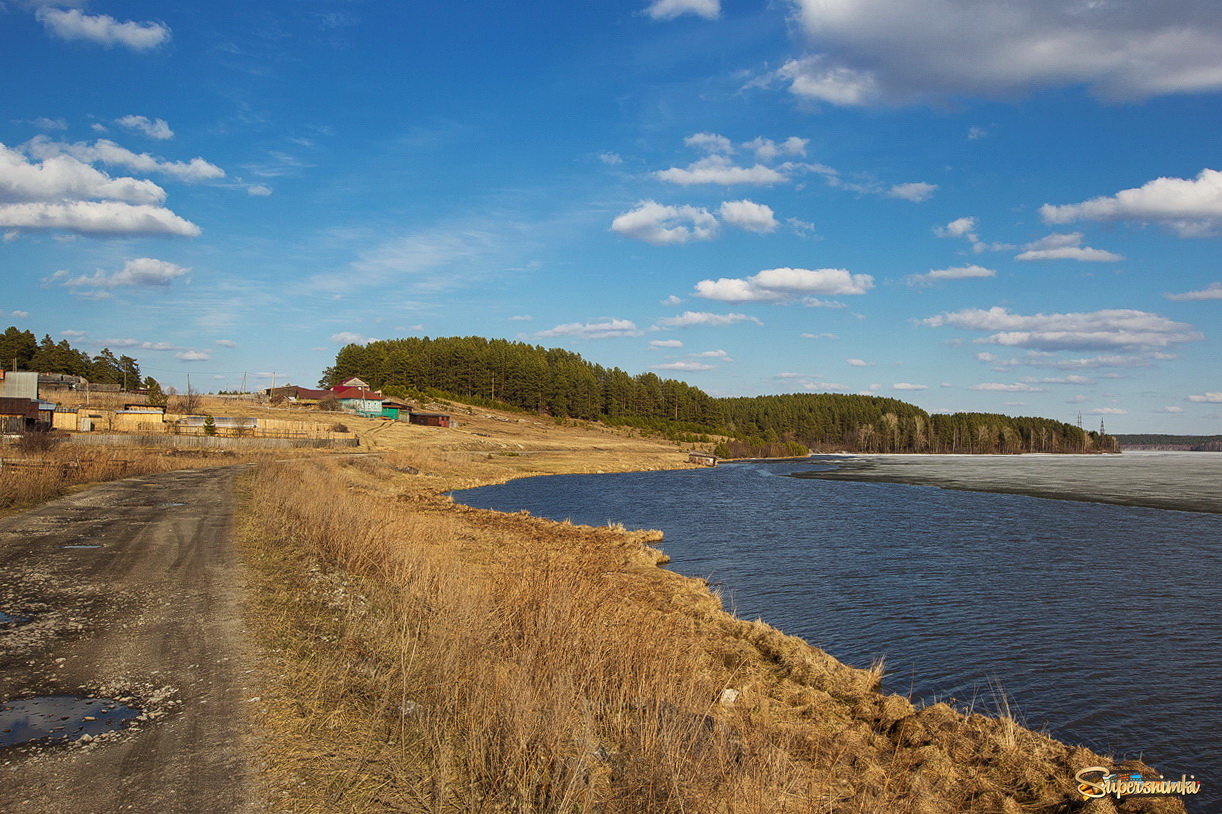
(429, 419)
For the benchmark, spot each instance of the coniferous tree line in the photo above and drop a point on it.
(561, 383)
(20, 350)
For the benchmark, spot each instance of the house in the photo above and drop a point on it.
(392, 408)
(297, 395)
(25, 415)
(702, 458)
(353, 382)
(429, 419)
(18, 385)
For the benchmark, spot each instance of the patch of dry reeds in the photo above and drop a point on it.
(442, 659)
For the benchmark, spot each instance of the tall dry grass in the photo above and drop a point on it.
(442, 659)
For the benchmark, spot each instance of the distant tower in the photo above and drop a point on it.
(1079, 419)
(1101, 430)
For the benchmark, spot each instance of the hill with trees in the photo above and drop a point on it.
(20, 350)
(561, 383)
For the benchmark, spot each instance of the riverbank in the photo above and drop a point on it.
(434, 657)
(1183, 481)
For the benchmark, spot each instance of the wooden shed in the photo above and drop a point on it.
(429, 419)
(393, 409)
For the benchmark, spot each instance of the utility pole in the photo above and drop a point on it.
(243, 382)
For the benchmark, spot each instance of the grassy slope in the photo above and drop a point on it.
(437, 658)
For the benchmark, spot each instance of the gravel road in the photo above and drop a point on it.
(151, 616)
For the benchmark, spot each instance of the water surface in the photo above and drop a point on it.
(1100, 621)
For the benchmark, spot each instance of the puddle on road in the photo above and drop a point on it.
(169, 505)
(12, 620)
(51, 718)
(83, 545)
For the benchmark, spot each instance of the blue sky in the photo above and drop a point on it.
(971, 206)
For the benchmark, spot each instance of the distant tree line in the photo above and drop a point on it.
(561, 383)
(545, 380)
(20, 350)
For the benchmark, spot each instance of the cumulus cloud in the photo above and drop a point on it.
(709, 143)
(881, 52)
(915, 192)
(784, 284)
(744, 214)
(610, 159)
(955, 273)
(662, 225)
(521, 318)
(1107, 411)
(153, 128)
(1116, 329)
(351, 338)
(100, 218)
(857, 362)
(691, 367)
(767, 150)
(1170, 408)
(47, 123)
(908, 386)
(712, 354)
(665, 343)
(671, 300)
(690, 319)
(65, 178)
(192, 355)
(226, 343)
(1066, 247)
(670, 9)
(718, 169)
(1192, 207)
(1071, 379)
(966, 229)
(139, 272)
(1207, 398)
(72, 24)
(258, 190)
(1213, 291)
(604, 328)
(105, 151)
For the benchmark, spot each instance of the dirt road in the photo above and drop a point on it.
(153, 614)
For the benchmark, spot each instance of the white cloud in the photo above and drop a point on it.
(689, 319)
(768, 150)
(956, 273)
(908, 386)
(59, 178)
(820, 336)
(153, 128)
(662, 225)
(783, 284)
(691, 367)
(670, 9)
(709, 143)
(45, 123)
(1071, 379)
(1213, 291)
(350, 338)
(878, 51)
(142, 271)
(1170, 408)
(605, 328)
(671, 300)
(857, 362)
(712, 354)
(1066, 247)
(105, 151)
(1107, 411)
(916, 192)
(258, 190)
(226, 343)
(71, 24)
(665, 343)
(966, 228)
(748, 215)
(1018, 387)
(521, 318)
(1118, 328)
(1190, 207)
(96, 218)
(1207, 398)
(193, 355)
(977, 132)
(717, 169)
(610, 159)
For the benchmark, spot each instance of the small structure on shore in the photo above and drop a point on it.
(702, 458)
(429, 419)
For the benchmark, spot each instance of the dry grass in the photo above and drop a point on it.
(437, 658)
